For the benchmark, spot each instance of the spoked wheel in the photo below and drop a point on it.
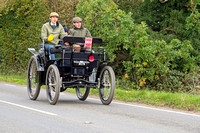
(82, 93)
(53, 84)
(33, 85)
(107, 85)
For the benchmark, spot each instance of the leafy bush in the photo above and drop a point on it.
(104, 19)
(173, 19)
(146, 62)
(20, 28)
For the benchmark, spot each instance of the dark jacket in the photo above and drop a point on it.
(65, 28)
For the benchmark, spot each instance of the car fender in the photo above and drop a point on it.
(39, 60)
(101, 66)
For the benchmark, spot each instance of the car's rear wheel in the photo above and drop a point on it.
(82, 93)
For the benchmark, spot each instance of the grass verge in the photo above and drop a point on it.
(18, 79)
(184, 101)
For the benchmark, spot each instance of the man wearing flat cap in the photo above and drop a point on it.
(79, 31)
(53, 30)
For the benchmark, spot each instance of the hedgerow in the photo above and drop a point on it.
(20, 27)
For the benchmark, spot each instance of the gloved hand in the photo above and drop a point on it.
(50, 38)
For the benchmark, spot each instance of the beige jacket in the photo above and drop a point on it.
(58, 33)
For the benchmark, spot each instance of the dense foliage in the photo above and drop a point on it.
(170, 20)
(146, 61)
(20, 25)
(20, 28)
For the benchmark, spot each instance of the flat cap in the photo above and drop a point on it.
(77, 19)
(54, 14)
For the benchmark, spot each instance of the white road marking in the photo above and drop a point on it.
(164, 110)
(10, 85)
(139, 106)
(151, 108)
(29, 108)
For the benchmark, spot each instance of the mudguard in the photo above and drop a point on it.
(101, 66)
(73, 39)
(39, 60)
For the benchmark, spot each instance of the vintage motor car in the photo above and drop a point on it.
(71, 69)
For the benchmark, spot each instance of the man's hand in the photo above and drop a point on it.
(67, 44)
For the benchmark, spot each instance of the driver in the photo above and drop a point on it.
(51, 33)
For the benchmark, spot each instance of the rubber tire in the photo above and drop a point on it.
(53, 69)
(113, 86)
(33, 68)
(84, 96)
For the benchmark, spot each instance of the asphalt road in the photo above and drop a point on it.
(21, 115)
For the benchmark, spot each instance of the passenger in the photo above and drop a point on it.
(79, 31)
(51, 33)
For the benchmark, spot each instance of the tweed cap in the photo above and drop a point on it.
(54, 14)
(77, 19)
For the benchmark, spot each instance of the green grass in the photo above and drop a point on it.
(184, 101)
(18, 79)
(176, 100)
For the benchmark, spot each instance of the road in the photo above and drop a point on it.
(21, 115)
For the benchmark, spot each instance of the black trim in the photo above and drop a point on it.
(81, 39)
(80, 83)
